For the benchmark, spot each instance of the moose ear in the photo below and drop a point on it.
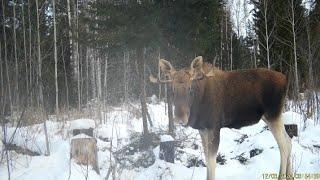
(165, 66)
(197, 63)
(196, 67)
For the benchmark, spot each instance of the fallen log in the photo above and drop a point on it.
(19, 149)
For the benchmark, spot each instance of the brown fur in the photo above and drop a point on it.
(237, 98)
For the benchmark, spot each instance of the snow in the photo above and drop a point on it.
(122, 125)
(165, 138)
(82, 124)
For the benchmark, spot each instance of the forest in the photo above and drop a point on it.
(71, 59)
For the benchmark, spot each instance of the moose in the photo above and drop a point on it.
(208, 99)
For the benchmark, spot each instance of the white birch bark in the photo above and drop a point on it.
(15, 56)
(30, 52)
(40, 81)
(24, 47)
(293, 24)
(55, 56)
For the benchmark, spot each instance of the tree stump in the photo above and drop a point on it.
(291, 129)
(84, 151)
(167, 148)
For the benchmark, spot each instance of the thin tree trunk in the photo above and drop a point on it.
(70, 31)
(231, 53)
(24, 47)
(15, 56)
(93, 82)
(294, 50)
(99, 77)
(65, 78)
(81, 73)
(227, 44)
(310, 69)
(170, 111)
(87, 75)
(30, 52)
(40, 81)
(221, 40)
(141, 61)
(55, 56)
(266, 31)
(77, 56)
(4, 128)
(159, 74)
(1, 75)
(99, 86)
(254, 53)
(125, 74)
(39, 58)
(47, 138)
(6, 56)
(105, 88)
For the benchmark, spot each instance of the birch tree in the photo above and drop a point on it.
(40, 80)
(293, 29)
(65, 78)
(1, 74)
(24, 46)
(15, 55)
(30, 50)
(105, 84)
(267, 33)
(55, 55)
(77, 53)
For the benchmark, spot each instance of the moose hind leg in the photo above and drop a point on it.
(284, 142)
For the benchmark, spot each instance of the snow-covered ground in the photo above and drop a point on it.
(236, 147)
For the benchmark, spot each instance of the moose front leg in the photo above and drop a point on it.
(210, 141)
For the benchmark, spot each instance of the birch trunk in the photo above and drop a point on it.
(99, 77)
(24, 46)
(227, 45)
(15, 56)
(294, 49)
(1, 73)
(30, 52)
(77, 56)
(231, 55)
(105, 83)
(125, 74)
(55, 56)
(266, 31)
(221, 40)
(65, 78)
(40, 81)
(254, 53)
(70, 31)
(87, 75)
(93, 82)
(310, 61)
(159, 74)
